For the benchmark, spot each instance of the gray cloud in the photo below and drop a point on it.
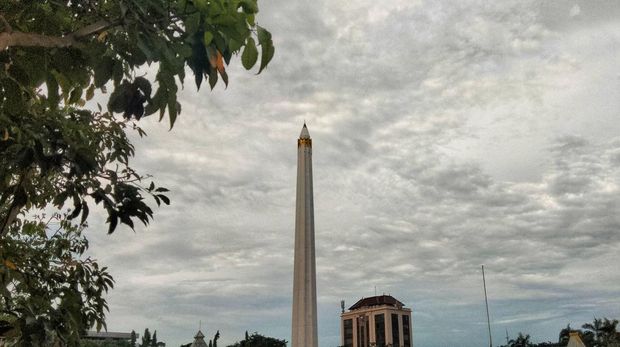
(446, 135)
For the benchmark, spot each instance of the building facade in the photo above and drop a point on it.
(379, 321)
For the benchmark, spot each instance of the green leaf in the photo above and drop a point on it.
(164, 199)
(62, 80)
(113, 220)
(234, 45)
(224, 19)
(208, 37)
(117, 71)
(267, 51)
(90, 92)
(18, 74)
(76, 94)
(103, 71)
(52, 91)
(185, 50)
(35, 66)
(266, 44)
(250, 54)
(220, 41)
(144, 47)
(212, 78)
(77, 207)
(264, 36)
(213, 8)
(172, 111)
(118, 100)
(85, 211)
(127, 220)
(224, 77)
(144, 85)
(251, 19)
(192, 23)
(249, 6)
(201, 5)
(241, 28)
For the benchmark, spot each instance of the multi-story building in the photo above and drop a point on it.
(376, 321)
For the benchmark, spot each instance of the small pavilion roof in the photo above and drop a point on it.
(199, 340)
(574, 340)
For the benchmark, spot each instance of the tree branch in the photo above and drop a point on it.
(7, 27)
(18, 38)
(94, 28)
(21, 39)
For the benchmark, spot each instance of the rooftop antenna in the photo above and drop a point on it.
(484, 283)
(200, 325)
(375, 290)
(342, 305)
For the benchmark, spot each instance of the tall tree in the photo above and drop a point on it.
(596, 328)
(146, 338)
(611, 334)
(58, 149)
(154, 339)
(604, 331)
(521, 341)
(57, 54)
(48, 285)
(215, 338)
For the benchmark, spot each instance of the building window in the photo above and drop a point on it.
(348, 332)
(406, 332)
(380, 330)
(395, 331)
(362, 331)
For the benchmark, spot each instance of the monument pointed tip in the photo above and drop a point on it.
(304, 132)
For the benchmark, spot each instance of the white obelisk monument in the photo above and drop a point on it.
(304, 278)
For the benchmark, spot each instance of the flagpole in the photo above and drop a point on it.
(484, 283)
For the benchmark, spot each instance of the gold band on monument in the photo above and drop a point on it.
(306, 142)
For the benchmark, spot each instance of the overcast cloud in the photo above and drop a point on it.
(446, 135)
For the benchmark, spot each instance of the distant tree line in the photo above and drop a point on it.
(258, 340)
(254, 340)
(602, 332)
(150, 340)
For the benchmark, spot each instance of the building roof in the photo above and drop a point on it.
(379, 300)
(304, 132)
(107, 335)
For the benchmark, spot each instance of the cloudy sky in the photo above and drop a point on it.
(446, 135)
